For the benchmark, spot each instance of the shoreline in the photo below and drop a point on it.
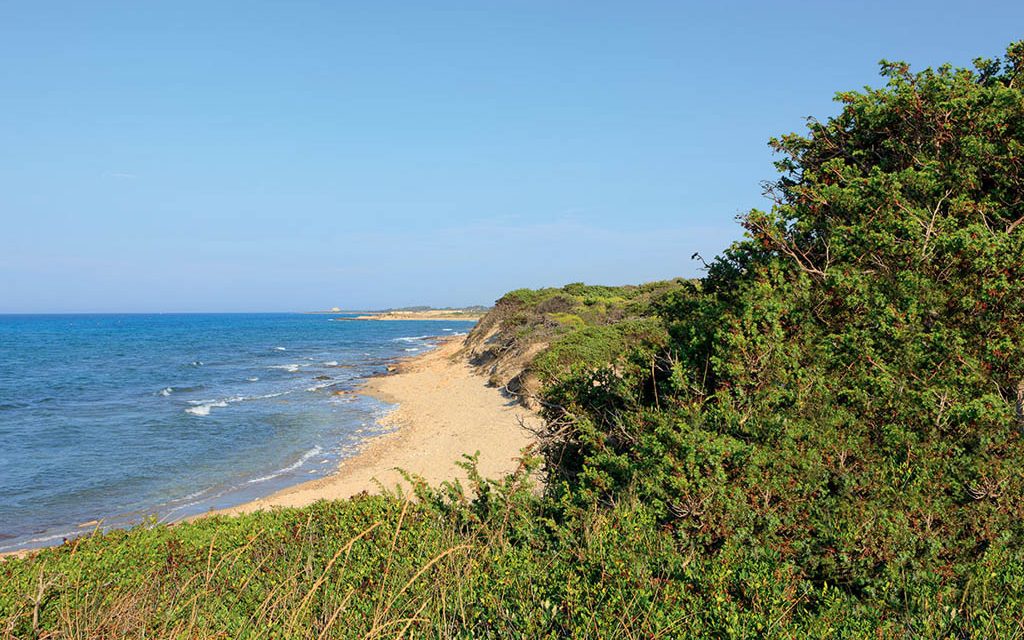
(444, 408)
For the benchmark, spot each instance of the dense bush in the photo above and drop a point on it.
(843, 393)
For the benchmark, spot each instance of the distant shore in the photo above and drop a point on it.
(444, 409)
(431, 314)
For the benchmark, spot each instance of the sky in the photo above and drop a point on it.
(289, 156)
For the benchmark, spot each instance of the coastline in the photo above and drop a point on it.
(444, 408)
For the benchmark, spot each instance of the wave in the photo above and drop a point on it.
(412, 338)
(204, 409)
(318, 387)
(253, 379)
(316, 450)
(191, 500)
(193, 496)
(166, 391)
(265, 396)
(290, 368)
(279, 349)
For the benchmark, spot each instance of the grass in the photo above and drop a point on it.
(386, 566)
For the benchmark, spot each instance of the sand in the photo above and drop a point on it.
(444, 409)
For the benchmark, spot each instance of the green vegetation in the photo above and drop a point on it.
(531, 338)
(822, 437)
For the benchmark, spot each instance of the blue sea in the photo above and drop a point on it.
(113, 419)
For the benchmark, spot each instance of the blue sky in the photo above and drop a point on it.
(262, 156)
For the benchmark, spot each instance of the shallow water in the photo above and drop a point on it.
(121, 417)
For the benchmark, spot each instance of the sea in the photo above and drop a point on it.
(112, 420)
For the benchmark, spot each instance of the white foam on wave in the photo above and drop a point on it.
(193, 496)
(290, 368)
(167, 391)
(316, 450)
(204, 408)
(253, 379)
(264, 396)
(323, 385)
(191, 500)
(331, 363)
(411, 349)
(197, 363)
(279, 349)
(411, 338)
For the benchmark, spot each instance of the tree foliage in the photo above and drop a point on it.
(843, 391)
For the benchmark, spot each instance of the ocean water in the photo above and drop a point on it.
(117, 418)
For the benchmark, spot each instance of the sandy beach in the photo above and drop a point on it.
(444, 409)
